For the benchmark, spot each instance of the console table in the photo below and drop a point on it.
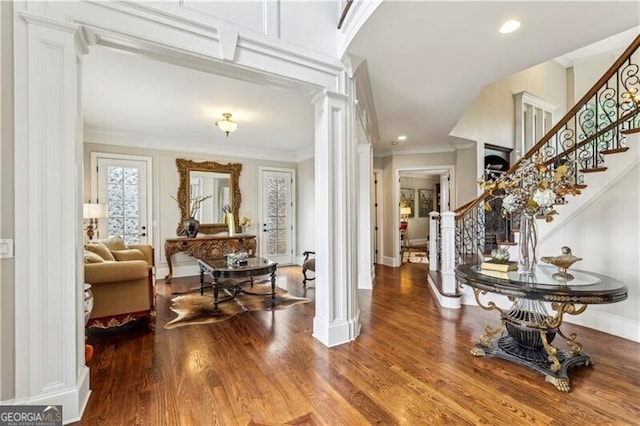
(208, 247)
(526, 329)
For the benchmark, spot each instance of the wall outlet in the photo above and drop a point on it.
(6, 249)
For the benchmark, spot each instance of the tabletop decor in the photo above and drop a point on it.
(229, 219)
(562, 262)
(245, 223)
(529, 193)
(191, 225)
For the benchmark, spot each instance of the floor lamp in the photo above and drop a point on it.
(93, 212)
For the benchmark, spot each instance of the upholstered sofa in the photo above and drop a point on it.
(122, 282)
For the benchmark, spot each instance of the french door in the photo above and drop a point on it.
(122, 183)
(277, 215)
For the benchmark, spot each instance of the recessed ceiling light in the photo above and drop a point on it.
(510, 26)
(402, 137)
(394, 142)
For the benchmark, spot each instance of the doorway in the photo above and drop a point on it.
(277, 214)
(122, 182)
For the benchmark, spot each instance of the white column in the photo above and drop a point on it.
(49, 321)
(434, 238)
(366, 271)
(337, 314)
(448, 252)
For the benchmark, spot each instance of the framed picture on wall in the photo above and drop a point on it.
(425, 202)
(407, 199)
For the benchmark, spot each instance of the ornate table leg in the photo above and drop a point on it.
(273, 288)
(167, 278)
(216, 285)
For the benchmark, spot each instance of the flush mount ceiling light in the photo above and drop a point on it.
(227, 125)
(510, 26)
(402, 137)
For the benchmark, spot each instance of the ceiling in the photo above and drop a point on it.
(427, 61)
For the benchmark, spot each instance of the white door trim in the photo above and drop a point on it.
(437, 170)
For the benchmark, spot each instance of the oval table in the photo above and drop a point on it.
(527, 329)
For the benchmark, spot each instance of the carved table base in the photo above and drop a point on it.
(525, 335)
(505, 347)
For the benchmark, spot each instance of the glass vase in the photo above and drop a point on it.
(528, 244)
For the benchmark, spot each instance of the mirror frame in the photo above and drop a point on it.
(184, 169)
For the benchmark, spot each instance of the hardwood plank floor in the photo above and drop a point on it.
(411, 365)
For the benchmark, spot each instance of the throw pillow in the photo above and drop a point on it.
(91, 257)
(115, 243)
(130, 254)
(100, 249)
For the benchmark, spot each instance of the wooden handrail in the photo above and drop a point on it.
(344, 13)
(465, 208)
(569, 115)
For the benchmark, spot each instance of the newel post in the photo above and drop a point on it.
(448, 252)
(434, 239)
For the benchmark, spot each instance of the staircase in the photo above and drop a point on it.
(600, 137)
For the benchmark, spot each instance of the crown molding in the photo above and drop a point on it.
(417, 151)
(164, 142)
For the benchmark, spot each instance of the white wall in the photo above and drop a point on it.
(606, 235)
(467, 174)
(166, 213)
(490, 119)
(588, 70)
(305, 173)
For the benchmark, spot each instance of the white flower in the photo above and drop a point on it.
(544, 198)
(510, 203)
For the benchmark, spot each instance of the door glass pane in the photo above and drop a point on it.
(277, 219)
(123, 198)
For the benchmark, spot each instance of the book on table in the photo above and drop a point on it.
(499, 266)
(504, 275)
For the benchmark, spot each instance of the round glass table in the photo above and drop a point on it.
(527, 329)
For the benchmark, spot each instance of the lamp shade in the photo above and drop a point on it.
(94, 211)
(405, 210)
(227, 125)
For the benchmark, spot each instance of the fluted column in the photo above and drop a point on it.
(337, 314)
(49, 342)
(448, 252)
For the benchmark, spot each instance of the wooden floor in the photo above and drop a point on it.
(411, 365)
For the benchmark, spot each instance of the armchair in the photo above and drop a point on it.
(308, 264)
(122, 283)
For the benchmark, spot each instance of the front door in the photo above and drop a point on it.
(122, 185)
(277, 217)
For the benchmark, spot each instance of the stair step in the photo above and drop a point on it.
(615, 150)
(593, 170)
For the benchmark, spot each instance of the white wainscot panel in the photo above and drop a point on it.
(251, 15)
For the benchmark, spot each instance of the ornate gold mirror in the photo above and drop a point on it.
(218, 183)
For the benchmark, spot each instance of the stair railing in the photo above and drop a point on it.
(588, 132)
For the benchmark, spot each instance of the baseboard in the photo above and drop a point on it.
(446, 301)
(73, 399)
(336, 333)
(607, 323)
